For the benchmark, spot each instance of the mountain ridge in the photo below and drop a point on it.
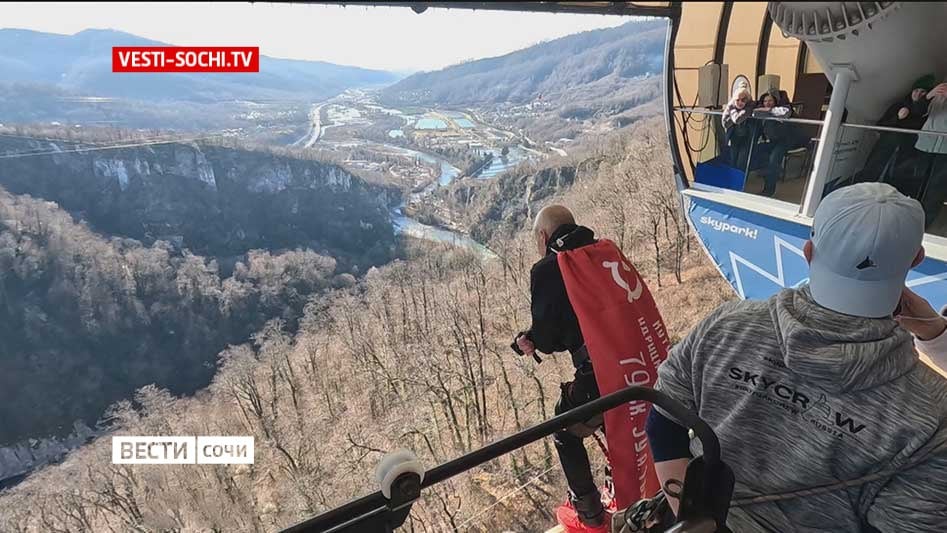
(81, 63)
(632, 50)
(219, 200)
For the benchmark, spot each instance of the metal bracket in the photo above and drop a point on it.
(835, 68)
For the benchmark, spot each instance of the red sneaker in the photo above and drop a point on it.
(569, 520)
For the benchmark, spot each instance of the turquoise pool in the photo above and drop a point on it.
(430, 124)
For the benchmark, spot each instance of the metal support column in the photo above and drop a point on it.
(844, 75)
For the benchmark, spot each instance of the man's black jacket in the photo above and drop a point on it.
(914, 120)
(555, 327)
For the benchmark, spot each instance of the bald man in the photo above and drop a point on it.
(555, 328)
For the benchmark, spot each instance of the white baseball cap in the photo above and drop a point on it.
(865, 238)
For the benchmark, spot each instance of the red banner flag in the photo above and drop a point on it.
(627, 340)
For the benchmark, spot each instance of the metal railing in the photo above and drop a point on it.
(792, 120)
(364, 514)
(755, 122)
(894, 130)
(705, 111)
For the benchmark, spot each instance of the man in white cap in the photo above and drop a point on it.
(818, 387)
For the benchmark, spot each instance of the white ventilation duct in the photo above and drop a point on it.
(888, 44)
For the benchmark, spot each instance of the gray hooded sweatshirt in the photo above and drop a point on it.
(802, 396)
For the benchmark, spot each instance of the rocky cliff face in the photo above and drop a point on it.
(213, 200)
(502, 206)
(19, 459)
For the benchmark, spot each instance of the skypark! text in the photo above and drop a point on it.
(185, 59)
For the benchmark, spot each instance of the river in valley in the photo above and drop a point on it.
(501, 163)
(448, 173)
(406, 225)
(411, 227)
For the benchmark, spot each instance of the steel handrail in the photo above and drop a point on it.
(704, 111)
(895, 130)
(872, 127)
(377, 503)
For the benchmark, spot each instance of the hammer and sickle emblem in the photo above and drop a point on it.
(620, 281)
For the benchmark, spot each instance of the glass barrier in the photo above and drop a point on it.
(774, 157)
(913, 161)
(699, 130)
(764, 154)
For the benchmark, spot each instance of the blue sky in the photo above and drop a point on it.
(390, 38)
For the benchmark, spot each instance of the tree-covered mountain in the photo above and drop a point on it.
(85, 320)
(581, 66)
(82, 64)
(417, 357)
(214, 200)
(123, 267)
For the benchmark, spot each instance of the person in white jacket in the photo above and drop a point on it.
(934, 154)
(928, 326)
(737, 126)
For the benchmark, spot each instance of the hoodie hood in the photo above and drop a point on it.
(569, 237)
(839, 352)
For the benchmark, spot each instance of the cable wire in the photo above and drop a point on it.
(91, 143)
(107, 147)
(504, 498)
(685, 121)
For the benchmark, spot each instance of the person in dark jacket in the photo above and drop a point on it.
(907, 113)
(782, 136)
(555, 328)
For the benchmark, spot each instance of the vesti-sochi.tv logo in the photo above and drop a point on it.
(185, 59)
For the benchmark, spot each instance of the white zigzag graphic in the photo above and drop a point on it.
(779, 278)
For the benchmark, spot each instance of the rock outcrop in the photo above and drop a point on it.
(213, 200)
(502, 206)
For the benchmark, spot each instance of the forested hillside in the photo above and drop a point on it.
(214, 200)
(590, 82)
(85, 320)
(121, 267)
(586, 65)
(417, 357)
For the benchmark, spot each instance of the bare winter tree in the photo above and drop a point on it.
(414, 355)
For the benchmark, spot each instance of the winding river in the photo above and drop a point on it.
(411, 227)
(406, 225)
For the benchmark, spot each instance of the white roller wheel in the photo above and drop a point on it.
(393, 465)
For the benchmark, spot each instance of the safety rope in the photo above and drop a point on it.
(505, 497)
(602, 446)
